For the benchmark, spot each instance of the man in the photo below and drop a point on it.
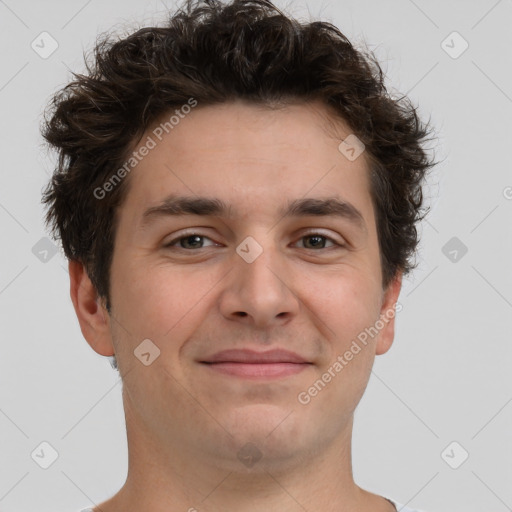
(237, 196)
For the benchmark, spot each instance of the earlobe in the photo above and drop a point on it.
(92, 316)
(387, 315)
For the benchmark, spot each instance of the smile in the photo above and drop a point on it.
(258, 370)
(257, 365)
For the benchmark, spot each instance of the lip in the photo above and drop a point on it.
(276, 355)
(255, 365)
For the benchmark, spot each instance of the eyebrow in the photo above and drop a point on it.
(174, 205)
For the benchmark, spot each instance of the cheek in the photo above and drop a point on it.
(346, 301)
(345, 309)
(157, 301)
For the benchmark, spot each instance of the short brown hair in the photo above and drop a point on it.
(216, 53)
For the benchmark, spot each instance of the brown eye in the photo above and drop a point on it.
(189, 241)
(317, 241)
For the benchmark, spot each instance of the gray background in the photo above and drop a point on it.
(447, 378)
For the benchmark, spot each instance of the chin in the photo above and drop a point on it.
(272, 434)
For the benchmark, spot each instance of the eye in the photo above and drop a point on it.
(317, 241)
(189, 241)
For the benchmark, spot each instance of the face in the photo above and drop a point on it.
(253, 296)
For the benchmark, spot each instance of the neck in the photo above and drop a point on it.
(165, 476)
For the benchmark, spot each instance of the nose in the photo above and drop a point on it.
(259, 293)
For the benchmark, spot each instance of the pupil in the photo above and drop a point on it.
(318, 238)
(191, 237)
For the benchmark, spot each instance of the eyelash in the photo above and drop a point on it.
(188, 235)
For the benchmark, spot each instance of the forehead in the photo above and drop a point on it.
(247, 155)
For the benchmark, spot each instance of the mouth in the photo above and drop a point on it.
(257, 365)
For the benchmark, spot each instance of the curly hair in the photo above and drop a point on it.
(216, 53)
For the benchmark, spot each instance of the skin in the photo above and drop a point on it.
(186, 423)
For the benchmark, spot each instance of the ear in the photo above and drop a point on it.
(387, 315)
(92, 315)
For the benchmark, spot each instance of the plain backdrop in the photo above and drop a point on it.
(443, 392)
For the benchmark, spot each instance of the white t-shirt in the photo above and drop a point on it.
(399, 507)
